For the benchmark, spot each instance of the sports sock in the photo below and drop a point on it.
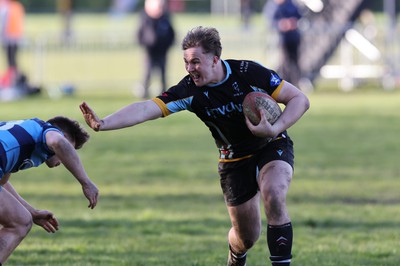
(280, 238)
(236, 259)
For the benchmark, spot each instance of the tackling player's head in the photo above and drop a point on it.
(72, 130)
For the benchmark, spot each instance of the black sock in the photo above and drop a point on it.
(280, 238)
(235, 254)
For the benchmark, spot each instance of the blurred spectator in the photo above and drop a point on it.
(285, 20)
(246, 12)
(65, 8)
(12, 15)
(156, 35)
(120, 8)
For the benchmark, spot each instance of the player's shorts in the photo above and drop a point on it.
(239, 179)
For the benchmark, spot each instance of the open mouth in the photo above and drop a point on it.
(195, 77)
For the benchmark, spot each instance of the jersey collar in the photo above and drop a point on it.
(228, 72)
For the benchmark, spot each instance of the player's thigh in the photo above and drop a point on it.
(246, 217)
(12, 212)
(274, 179)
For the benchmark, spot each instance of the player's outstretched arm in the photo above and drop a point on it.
(70, 159)
(127, 116)
(90, 116)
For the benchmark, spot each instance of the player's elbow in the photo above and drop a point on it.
(306, 103)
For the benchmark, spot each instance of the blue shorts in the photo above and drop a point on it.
(239, 179)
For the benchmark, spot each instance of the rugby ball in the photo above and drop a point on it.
(256, 101)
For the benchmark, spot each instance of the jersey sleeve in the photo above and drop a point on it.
(176, 99)
(46, 128)
(265, 79)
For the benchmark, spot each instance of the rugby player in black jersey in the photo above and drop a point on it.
(256, 161)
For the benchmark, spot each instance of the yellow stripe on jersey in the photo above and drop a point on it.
(163, 107)
(277, 91)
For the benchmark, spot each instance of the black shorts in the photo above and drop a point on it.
(239, 179)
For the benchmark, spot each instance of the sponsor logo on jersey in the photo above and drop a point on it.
(225, 110)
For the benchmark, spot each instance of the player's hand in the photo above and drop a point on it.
(46, 220)
(264, 129)
(90, 116)
(91, 192)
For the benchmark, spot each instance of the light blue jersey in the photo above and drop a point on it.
(23, 144)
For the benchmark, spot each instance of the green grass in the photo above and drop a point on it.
(160, 200)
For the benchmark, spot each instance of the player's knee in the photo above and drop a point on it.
(249, 243)
(21, 225)
(252, 237)
(25, 227)
(247, 238)
(274, 202)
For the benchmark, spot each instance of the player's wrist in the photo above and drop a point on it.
(100, 125)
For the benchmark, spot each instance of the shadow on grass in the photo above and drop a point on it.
(340, 199)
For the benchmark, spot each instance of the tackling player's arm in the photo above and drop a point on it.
(42, 218)
(67, 154)
(5, 179)
(127, 116)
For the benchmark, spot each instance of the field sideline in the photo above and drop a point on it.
(160, 200)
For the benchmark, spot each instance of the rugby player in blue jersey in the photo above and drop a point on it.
(29, 143)
(256, 161)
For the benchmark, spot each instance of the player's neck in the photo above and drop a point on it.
(221, 71)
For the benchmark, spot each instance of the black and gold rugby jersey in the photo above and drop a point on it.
(219, 105)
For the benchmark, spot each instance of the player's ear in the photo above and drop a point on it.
(215, 59)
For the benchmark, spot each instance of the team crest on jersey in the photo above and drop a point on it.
(236, 89)
(275, 80)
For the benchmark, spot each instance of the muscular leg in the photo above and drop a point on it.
(246, 225)
(274, 181)
(16, 223)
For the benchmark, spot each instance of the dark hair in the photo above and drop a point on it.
(71, 129)
(205, 37)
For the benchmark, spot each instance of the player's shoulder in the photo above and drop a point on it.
(244, 65)
(183, 89)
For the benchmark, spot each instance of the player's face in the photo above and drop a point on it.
(53, 161)
(200, 66)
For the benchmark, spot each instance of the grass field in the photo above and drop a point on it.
(160, 200)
